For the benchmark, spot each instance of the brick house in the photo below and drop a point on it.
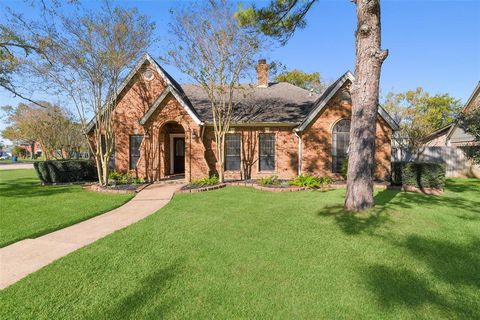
(163, 128)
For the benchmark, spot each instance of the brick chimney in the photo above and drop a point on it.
(262, 73)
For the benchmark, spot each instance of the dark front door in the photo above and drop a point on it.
(179, 155)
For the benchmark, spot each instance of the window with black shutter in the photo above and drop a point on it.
(135, 142)
(232, 152)
(267, 152)
(341, 140)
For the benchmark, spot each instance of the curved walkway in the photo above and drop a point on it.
(24, 257)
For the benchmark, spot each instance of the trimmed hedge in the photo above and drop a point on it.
(419, 174)
(63, 171)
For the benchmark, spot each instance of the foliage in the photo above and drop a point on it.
(308, 81)
(310, 181)
(344, 169)
(279, 19)
(62, 171)
(87, 54)
(419, 174)
(52, 126)
(209, 46)
(470, 123)
(418, 113)
(269, 181)
(19, 152)
(207, 181)
(29, 209)
(115, 177)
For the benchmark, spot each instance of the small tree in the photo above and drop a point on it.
(51, 126)
(418, 113)
(210, 47)
(88, 53)
(308, 81)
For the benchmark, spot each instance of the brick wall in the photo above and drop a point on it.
(200, 159)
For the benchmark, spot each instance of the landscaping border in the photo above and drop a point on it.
(202, 189)
(97, 188)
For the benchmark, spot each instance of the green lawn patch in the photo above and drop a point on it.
(243, 253)
(29, 209)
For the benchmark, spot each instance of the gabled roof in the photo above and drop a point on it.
(165, 76)
(435, 134)
(475, 92)
(180, 98)
(329, 93)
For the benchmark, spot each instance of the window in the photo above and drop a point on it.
(135, 141)
(232, 152)
(267, 152)
(341, 139)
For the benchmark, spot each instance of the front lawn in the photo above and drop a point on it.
(28, 209)
(243, 253)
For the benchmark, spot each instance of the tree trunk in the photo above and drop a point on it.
(369, 59)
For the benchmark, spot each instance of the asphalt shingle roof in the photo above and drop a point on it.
(278, 103)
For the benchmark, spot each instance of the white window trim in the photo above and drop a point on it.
(172, 149)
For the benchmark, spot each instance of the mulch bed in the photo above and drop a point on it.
(121, 188)
(193, 188)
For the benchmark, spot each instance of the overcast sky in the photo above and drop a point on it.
(433, 44)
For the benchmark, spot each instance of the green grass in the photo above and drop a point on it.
(28, 209)
(243, 253)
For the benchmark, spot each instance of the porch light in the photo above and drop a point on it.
(194, 134)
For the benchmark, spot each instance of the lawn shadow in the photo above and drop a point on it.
(150, 295)
(28, 187)
(448, 263)
(354, 223)
(361, 222)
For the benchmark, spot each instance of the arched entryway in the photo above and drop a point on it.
(174, 148)
(340, 142)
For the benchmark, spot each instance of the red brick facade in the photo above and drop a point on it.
(172, 119)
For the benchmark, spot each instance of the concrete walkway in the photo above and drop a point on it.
(24, 257)
(11, 166)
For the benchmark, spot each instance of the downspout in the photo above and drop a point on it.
(296, 131)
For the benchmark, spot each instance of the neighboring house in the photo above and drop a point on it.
(37, 148)
(163, 128)
(457, 143)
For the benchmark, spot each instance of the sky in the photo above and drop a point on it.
(432, 43)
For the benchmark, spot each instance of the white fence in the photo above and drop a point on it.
(457, 164)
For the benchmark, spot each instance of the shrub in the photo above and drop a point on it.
(61, 171)
(269, 181)
(419, 174)
(310, 181)
(115, 178)
(208, 181)
(344, 168)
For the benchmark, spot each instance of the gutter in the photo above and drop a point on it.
(296, 133)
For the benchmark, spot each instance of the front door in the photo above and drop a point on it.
(178, 155)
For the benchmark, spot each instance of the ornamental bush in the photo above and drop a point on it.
(269, 181)
(208, 181)
(419, 174)
(310, 181)
(64, 171)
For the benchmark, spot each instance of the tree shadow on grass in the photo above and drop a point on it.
(149, 300)
(362, 222)
(27, 187)
(447, 263)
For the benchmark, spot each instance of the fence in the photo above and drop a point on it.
(457, 164)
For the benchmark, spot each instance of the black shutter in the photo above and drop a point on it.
(267, 152)
(135, 142)
(232, 152)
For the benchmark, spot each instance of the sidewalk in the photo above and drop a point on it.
(24, 257)
(11, 166)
